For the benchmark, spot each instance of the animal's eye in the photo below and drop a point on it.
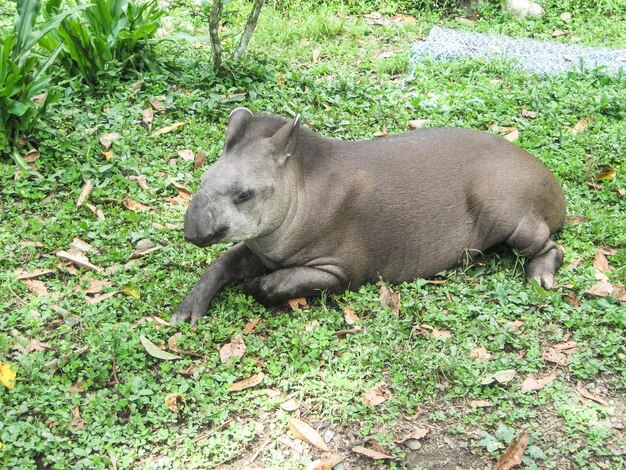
(243, 197)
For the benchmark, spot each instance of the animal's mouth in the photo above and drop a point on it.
(209, 240)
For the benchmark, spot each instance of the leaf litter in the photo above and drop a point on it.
(304, 432)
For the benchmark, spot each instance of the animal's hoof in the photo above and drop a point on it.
(180, 317)
(546, 280)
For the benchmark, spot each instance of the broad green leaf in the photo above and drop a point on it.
(154, 350)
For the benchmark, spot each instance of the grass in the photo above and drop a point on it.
(351, 92)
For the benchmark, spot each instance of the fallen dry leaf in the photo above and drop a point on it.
(146, 120)
(480, 403)
(606, 173)
(403, 19)
(382, 132)
(298, 304)
(384, 54)
(82, 246)
(95, 285)
(621, 192)
(372, 454)
(350, 316)
(108, 155)
(306, 433)
(32, 156)
(480, 354)
(167, 129)
(512, 456)
(389, 298)
(77, 423)
(20, 275)
(79, 259)
(37, 346)
(343, 333)
(557, 33)
(584, 393)
(316, 56)
(250, 326)
(529, 114)
(272, 392)
(186, 155)
(250, 382)
(376, 395)
(157, 105)
(172, 401)
(574, 264)
(236, 348)
(560, 353)
(580, 126)
(107, 139)
(140, 253)
(417, 433)
(290, 405)
(151, 319)
(576, 219)
(141, 180)
(199, 159)
(96, 211)
(512, 136)
(602, 288)
(84, 194)
(134, 205)
(100, 298)
(311, 326)
(515, 325)
(414, 124)
(534, 383)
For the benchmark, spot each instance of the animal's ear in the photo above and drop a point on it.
(283, 142)
(236, 122)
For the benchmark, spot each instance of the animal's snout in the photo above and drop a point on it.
(201, 228)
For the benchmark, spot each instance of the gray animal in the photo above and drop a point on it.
(311, 213)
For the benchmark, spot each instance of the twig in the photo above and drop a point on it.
(17, 296)
(258, 451)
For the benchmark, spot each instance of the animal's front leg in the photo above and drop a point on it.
(236, 264)
(290, 283)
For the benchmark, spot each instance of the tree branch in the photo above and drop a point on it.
(216, 42)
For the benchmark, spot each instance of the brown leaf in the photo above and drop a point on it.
(601, 289)
(186, 155)
(403, 19)
(32, 156)
(580, 126)
(529, 114)
(311, 326)
(82, 246)
(557, 33)
(134, 205)
(417, 123)
(372, 454)
(306, 433)
(148, 116)
(574, 264)
(172, 401)
(157, 105)
(290, 405)
(584, 393)
(140, 253)
(151, 319)
(382, 132)
(167, 129)
(177, 200)
(417, 433)
(35, 286)
(376, 395)
(108, 155)
(512, 456)
(77, 422)
(316, 56)
(480, 403)
(515, 325)
(96, 211)
(236, 348)
(37, 346)
(141, 180)
(350, 316)
(606, 173)
(298, 304)
(32, 274)
(343, 333)
(533, 383)
(107, 139)
(100, 298)
(560, 353)
(250, 326)
(512, 136)
(272, 392)
(621, 192)
(389, 298)
(501, 376)
(572, 299)
(95, 285)
(79, 259)
(480, 354)
(199, 159)
(384, 55)
(576, 219)
(84, 193)
(250, 382)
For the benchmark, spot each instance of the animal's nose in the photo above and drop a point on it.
(201, 228)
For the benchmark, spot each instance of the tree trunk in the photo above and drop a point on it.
(216, 42)
(249, 29)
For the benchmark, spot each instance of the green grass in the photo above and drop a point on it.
(350, 93)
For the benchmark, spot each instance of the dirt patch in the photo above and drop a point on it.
(443, 452)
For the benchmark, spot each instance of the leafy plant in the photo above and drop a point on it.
(106, 36)
(22, 74)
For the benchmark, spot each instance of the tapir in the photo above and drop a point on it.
(309, 213)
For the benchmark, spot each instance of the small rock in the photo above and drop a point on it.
(145, 244)
(566, 16)
(413, 444)
(328, 436)
(523, 8)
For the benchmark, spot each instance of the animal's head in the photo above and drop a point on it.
(247, 192)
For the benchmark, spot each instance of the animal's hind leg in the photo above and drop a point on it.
(532, 238)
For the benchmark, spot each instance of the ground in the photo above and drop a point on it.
(88, 392)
